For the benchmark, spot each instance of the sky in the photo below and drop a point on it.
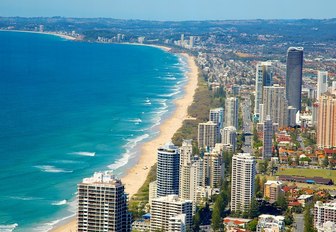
(176, 10)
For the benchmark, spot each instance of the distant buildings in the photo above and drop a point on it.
(324, 213)
(294, 76)
(207, 134)
(231, 112)
(242, 184)
(322, 83)
(229, 137)
(168, 170)
(268, 138)
(270, 223)
(263, 78)
(326, 122)
(272, 190)
(275, 105)
(102, 204)
(170, 212)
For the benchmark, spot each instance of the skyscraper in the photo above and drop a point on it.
(231, 112)
(213, 169)
(294, 76)
(207, 134)
(326, 122)
(275, 105)
(263, 78)
(168, 163)
(268, 137)
(229, 136)
(242, 184)
(102, 204)
(217, 116)
(322, 83)
(164, 209)
(185, 166)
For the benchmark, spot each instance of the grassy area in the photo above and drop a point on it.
(325, 173)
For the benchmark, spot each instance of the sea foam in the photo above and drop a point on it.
(83, 153)
(52, 169)
(8, 228)
(62, 202)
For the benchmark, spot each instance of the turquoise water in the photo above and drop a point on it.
(68, 109)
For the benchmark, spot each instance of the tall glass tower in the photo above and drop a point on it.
(294, 76)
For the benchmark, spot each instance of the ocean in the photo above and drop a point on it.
(68, 109)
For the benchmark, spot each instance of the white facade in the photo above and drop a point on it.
(324, 212)
(164, 208)
(207, 134)
(102, 204)
(229, 136)
(177, 223)
(270, 223)
(152, 191)
(213, 169)
(322, 83)
(242, 184)
(276, 105)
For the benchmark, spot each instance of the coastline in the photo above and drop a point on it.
(67, 37)
(147, 158)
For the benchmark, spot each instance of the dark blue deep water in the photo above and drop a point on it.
(68, 109)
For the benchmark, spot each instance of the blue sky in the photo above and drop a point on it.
(172, 9)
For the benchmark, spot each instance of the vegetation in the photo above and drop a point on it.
(309, 220)
(204, 99)
(326, 173)
(140, 199)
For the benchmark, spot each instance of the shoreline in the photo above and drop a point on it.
(147, 157)
(67, 37)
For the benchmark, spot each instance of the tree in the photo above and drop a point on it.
(282, 202)
(254, 209)
(308, 220)
(289, 219)
(257, 188)
(325, 161)
(252, 225)
(216, 220)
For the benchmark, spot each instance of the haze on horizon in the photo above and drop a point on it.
(175, 10)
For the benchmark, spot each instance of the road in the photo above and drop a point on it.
(247, 125)
(298, 223)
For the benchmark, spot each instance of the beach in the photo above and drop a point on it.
(136, 175)
(67, 37)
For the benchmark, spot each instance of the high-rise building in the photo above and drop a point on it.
(272, 190)
(263, 78)
(275, 105)
(268, 138)
(213, 169)
(102, 204)
(164, 209)
(168, 164)
(326, 122)
(242, 184)
(217, 116)
(229, 136)
(231, 112)
(294, 76)
(322, 83)
(177, 223)
(152, 191)
(207, 134)
(323, 213)
(186, 157)
(191, 41)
